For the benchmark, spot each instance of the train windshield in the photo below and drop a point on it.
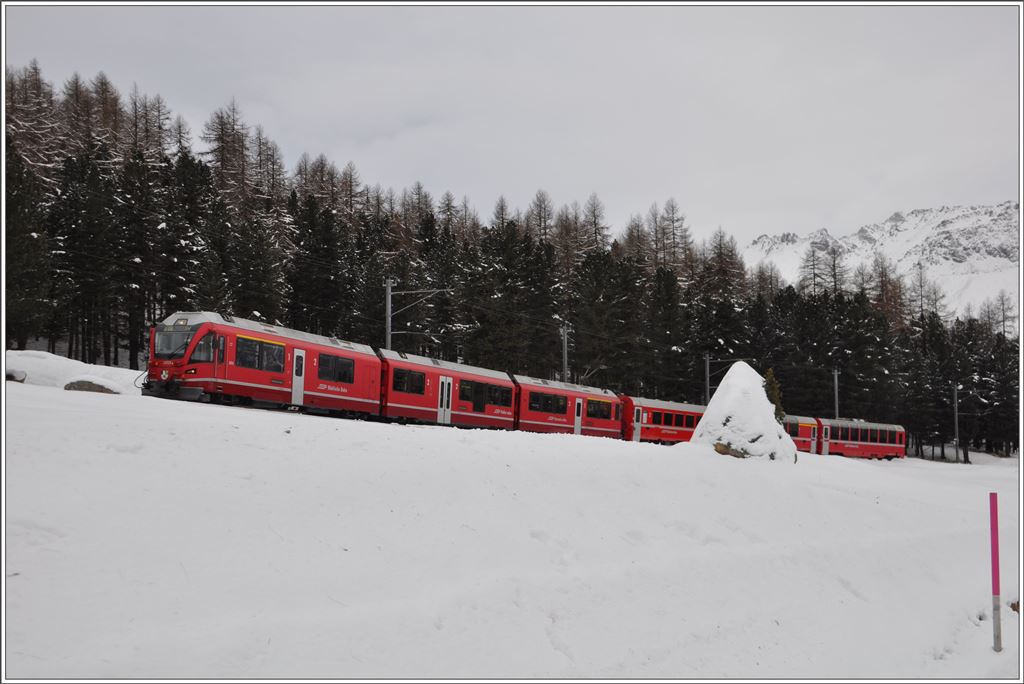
(172, 345)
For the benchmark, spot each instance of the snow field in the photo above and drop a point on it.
(147, 539)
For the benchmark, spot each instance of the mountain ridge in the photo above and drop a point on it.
(971, 251)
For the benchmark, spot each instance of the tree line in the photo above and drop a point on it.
(115, 220)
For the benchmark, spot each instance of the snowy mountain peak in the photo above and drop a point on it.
(973, 252)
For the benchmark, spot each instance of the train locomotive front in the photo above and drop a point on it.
(181, 350)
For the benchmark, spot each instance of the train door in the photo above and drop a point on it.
(637, 424)
(825, 434)
(220, 366)
(444, 401)
(298, 377)
(578, 424)
(219, 350)
(814, 439)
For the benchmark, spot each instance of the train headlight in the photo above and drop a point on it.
(164, 375)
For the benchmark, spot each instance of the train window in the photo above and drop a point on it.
(599, 409)
(892, 436)
(272, 357)
(873, 436)
(203, 353)
(480, 397)
(408, 381)
(466, 390)
(171, 345)
(690, 420)
(656, 417)
(548, 403)
(499, 396)
(336, 368)
(678, 419)
(247, 353)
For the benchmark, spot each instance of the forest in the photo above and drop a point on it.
(117, 215)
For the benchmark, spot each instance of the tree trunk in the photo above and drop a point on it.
(83, 343)
(72, 337)
(106, 337)
(133, 339)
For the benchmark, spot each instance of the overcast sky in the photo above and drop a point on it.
(758, 119)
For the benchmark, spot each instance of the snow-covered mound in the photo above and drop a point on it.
(153, 539)
(740, 420)
(43, 368)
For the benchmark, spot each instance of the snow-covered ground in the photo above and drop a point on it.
(153, 539)
(43, 368)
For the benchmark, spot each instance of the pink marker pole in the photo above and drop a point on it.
(993, 514)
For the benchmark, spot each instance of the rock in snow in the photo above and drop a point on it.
(740, 421)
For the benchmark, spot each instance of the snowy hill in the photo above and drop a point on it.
(972, 252)
(153, 539)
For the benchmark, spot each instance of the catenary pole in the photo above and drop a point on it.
(707, 378)
(565, 353)
(956, 425)
(388, 282)
(835, 384)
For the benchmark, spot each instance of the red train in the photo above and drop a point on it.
(223, 359)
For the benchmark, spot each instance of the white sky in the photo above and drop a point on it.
(758, 119)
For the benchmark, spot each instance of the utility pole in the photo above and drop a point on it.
(388, 282)
(956, 426)
(835, 383)
(565, 353)
(707, 378)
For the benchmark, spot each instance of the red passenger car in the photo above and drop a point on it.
(804, 431)
(552, 406)
(446, 393)
(205, 356)
(860, 439)
(653, 420)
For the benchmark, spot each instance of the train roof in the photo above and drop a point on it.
(846, 422)
(843, 422)
(448, 365)
(667, 405)
(197, 317)
(565, 386)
